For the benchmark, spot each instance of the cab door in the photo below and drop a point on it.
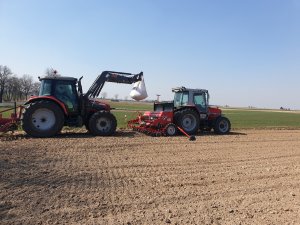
(66, 92)
(200, 101)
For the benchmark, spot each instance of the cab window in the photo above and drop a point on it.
(181, 98)
(66, 93)
(45, 88)
(199, 100)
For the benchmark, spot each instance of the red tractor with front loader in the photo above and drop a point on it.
(188, 113)
(61, 102)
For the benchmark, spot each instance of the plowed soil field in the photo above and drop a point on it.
(247, 177)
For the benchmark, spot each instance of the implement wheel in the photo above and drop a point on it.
(42, 119)
(171, 129)
(102, 123)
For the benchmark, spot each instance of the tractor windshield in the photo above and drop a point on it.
(181, 98)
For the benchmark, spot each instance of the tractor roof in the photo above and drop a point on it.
(181, 89)
(58, 78)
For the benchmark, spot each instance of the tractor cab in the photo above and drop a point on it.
(198, 98)
(62, 88)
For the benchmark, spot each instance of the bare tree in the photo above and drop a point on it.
(116, 96)
(50, 72)
(5, 73)
(26, 84)
(35, 88)
(13, 89)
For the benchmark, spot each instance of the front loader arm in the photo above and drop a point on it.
(111, 76)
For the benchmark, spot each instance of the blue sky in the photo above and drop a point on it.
(246, 53)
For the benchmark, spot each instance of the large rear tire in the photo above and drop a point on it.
(188, 120)
(42, 119)
(102, 123)
(222, 125)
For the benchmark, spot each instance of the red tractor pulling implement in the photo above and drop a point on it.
(61, 102)
(188, 113)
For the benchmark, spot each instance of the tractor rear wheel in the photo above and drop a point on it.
(222, 125)
(42, 119)
(171, 129)
(188, 120)
(102, 123)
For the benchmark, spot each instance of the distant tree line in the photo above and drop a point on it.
(15, 88)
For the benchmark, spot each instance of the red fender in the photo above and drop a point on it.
(61, 104)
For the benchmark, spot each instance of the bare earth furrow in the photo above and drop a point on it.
(247, 177)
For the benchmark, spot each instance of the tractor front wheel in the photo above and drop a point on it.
(102, 123)
(222, 125)
(42, 119)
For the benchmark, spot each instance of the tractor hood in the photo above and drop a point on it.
(214, 112)
(99, 105)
